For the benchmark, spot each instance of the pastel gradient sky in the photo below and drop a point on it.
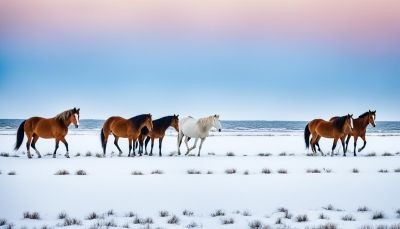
(243, 59)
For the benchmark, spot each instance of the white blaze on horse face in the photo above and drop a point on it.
(373, 120)
(351, 123)
(77, 119)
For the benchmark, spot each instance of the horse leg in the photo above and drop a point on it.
(347, 142)
(194, 145)
(160, 145)
(66, 147)
(152, 145)
(130, 141)
(355, 145)
(343, 146)
(313, 142)
(201, 144)
(134, 150)
(145, 144)
(56, 148)
(28, 144)
(187, 145)
(140, 152)
(334, 145)
(319, 148)
(116, 144)
(140, 141)
(35, 138)
(365, 143)
(179, 142)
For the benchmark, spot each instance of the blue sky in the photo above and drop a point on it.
(237, 80)
(246, 60)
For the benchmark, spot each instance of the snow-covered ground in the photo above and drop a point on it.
(109, 184)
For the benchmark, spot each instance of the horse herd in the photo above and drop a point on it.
(142, 129)
(138, 130)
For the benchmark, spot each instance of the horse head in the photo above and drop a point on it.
(148, 122)
(74, 117)
(217, 123)
(349, 121)
(372, 117)
(175, 122)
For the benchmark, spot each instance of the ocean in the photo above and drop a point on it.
(238, 128)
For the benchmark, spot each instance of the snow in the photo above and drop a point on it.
(110, 185)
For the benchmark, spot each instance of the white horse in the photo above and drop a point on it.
(193, 128)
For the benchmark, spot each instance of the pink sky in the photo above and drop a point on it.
(365, 23)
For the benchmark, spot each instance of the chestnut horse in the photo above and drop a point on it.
(56, 127)
(124, 128)
(158, 131)
(360, 128)
(336, 129)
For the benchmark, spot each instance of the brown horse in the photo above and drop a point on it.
(158, 131)
(336, 129)
(360, 128)
(56, 127)
(124, 128)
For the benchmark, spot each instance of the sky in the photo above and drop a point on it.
(242, 59)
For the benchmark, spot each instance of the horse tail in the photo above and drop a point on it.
(307, 134)
(102, 138)
(20, 136)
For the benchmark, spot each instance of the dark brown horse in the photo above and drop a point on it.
(37, 127)
(158, 131)
(336, 129)
(124, 128)
(360, 128)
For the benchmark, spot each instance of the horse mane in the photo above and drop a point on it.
(63, 116)
(205, 122)
(339, 122)
(163, 122)
(137, 120)
(364, 115)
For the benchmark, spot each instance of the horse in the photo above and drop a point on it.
(336, 129)
(57, 127)
(193, 128)
(124, 128)
(360, 128)
(158, 131)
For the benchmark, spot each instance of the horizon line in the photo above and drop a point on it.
(227, 120)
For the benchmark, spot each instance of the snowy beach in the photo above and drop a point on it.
(247, 177)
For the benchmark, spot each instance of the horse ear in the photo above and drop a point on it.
(374, 111)
(78, 110)
(74, 109)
